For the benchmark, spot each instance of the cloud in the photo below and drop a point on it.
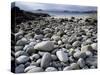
(57, 7)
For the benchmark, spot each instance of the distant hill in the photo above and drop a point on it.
(18, 15)
(39, 10)
(79, 11)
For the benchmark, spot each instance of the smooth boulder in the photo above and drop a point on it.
(44, 46)
(62, 56)
(94, 46)
(35, 69)
(50, 69)
(79, 54)
(46, 59)
(92, 61)
(81, 62)
(29, 68)
(67, 68)
(19, 69)
(86, 48)
(22, 59)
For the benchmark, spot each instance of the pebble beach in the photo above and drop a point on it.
(55, 44)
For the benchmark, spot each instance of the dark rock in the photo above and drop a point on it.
(19, 69)
(92, 61)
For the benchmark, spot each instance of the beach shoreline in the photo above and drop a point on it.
(45, 43)
(91, 15)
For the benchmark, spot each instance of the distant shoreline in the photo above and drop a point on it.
(93, 15)
(69, 14)
(23, 16)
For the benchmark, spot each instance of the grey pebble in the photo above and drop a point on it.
(33, 63)
(94, 46)
(54, 57)
(92, 61)
(92, 67)
(71, 51)
(35, 69)
(41, 53)
(47, 30)
(38, 37)
(22, 42)
(22, 59)
(46, 59)
(19, 69)
(89, 41)
(59, 42)
(79, 54)
(32, 43)
(55, 37)
(17, 35)
(18, 48)
(86, 48)
(71, 39)
(38, 61)
(62, 56)
(85, 67)
(81, 62)
(30, 49)
(76, 44)
(67, 68)
(89, 53)
(71, 59)
(19, 53)
(29, 68)
(68, 46)
(50, 69)
(74, 66)
(56, 64)
(44, 46)
(27, 64)
(35, 56)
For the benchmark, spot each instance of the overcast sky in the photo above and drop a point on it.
(34, 6)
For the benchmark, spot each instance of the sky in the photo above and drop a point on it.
(29, 6)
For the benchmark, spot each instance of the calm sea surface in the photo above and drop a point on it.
(66, 14)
